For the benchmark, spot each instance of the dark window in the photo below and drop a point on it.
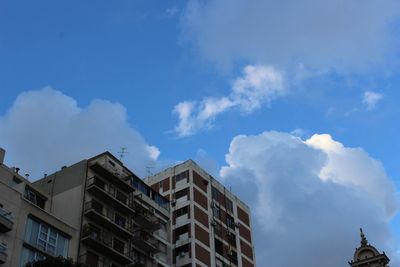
(229, 204)
(182, 211)
(181, 176)
(233, 257)
(121, 197)
(232, 239)
(181, 193)
(218, 229)
(34, 197)
(219, 247)
(217, 212)
(230, 222)
(120, 220)
(182, 249)
(118, 245)
(181, 230)
(214, 193)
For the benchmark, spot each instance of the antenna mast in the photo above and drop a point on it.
(122, 153)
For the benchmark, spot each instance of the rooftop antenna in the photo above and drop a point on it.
(148, 170)
(122, 153)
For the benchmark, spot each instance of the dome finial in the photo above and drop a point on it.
(364, 240)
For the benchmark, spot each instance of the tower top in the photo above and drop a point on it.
(364, 241)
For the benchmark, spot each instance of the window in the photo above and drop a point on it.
(120, 220)
(218, 247)
(231, 239)
(233, 256)
(28, 255)
(34, 197)
(46, 238)
(181, 176)
(118, 245)
(230, 222)
(217, 212)
(121, 196)
(214, 193)
(229, 205)
(182, 211)
(218, 229)
(181, 193)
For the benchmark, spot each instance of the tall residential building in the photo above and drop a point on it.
(210, 225)
(121, 220)
(368, 256)
(28, 229)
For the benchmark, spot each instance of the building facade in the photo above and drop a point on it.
(210, 225)
(121, 220)
(28, 229)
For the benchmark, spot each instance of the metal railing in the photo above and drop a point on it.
(7, 215)
(108, 214)
(95, 181)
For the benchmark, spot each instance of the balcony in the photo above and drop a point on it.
(109, 173)
(3, 253)
(117, 199)
(6, 221)
(145, 241)
(146, 218)
(108, 219)
(104, 242)
(182, 258)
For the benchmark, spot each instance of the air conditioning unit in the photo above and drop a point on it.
(182, 254)
(213, 223)
(173, 202)
(237, 224)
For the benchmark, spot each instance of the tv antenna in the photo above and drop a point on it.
(122, 153)
(148, 170)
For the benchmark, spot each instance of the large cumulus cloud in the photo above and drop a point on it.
(45, 129)
(310, 197)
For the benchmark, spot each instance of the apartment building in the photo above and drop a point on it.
(122, 221)
(28, 230)
(210, 225)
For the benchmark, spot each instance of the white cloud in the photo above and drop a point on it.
(45, 129)
(371, 99)
(310, 197)
(259, 85)
(321, 34)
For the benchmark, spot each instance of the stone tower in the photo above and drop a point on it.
(368, 256)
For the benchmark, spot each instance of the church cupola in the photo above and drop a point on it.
(368, 256)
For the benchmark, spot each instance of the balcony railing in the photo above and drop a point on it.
(111, 174)
(145, 241)
(3, 253)
(6, 221)
(105, 243)
(120, 201)
(145, 218)
(107, 218)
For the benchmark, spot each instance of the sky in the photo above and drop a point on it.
(291, 104)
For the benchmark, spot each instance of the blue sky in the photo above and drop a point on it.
(234, 68)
